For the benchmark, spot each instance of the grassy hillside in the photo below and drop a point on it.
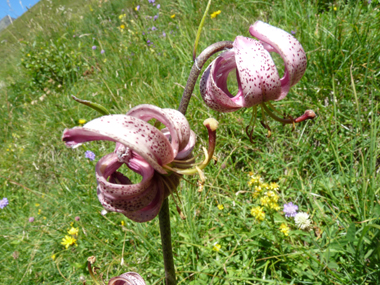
(328, 166)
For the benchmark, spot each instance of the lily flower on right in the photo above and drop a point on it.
(257, 76)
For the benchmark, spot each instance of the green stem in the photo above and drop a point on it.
(166, 240)
(164, 215)
(272, 115)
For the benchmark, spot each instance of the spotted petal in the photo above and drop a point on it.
(288, 47)
(175, 122)
(141, 137)
(128, 278)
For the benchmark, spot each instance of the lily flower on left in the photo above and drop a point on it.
(159, 156)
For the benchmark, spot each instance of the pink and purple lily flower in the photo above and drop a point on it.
(257, 76)
(159, 156)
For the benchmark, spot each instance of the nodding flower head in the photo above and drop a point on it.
(160, 156)
(257, 76)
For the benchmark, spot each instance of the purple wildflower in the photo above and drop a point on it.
(77, 218)
(154, 28)
(148, 41)
(164, 34)
(369, 1)
(102, 51)
(155, 17)
(90, 155)
(152, 1)
(94, 47)
(3, 203)
(290, 210)
(293, 32)
(143, 34)
(158, 6)
(137, 7)
(31, 220)
(73, 36)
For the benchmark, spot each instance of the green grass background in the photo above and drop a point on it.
(328, 166)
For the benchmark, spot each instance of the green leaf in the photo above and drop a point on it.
(97, 107)
(351, 232)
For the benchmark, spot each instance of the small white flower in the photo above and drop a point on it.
(302, 220)
(103, 212)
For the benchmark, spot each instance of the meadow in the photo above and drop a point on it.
(114, 54)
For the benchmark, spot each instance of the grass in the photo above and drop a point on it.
(328, 167)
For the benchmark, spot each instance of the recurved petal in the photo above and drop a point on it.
(174, 121)
(188, 148)
(151, 211)
(136, 134)
(288, 47)
(128, 278)
(257, 72)
(119, 194)
(213, 84)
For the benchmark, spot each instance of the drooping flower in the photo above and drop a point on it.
(90, 155)
(157, 155)
(290, 209)
(128, 278)
(3, 203)
(257, 76)
(302, 220)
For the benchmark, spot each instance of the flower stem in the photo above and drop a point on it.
(164, 216)
(166, 240)
(196, 70)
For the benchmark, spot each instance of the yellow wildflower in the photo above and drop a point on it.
(73, 231)
(274, 206)
(68, 240)
(284, 229)
(220, 207)
(258, 213)
(122, 223)
(216, 247)
(272, 196)
(122, 16)
(122, 27)
(39, 211)
(53, 256)
(264, 185)
(274, 186)
(37, 205)
(172, 16)
(335, 8)
(216, 13)
(82, 121)
(264, 201)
